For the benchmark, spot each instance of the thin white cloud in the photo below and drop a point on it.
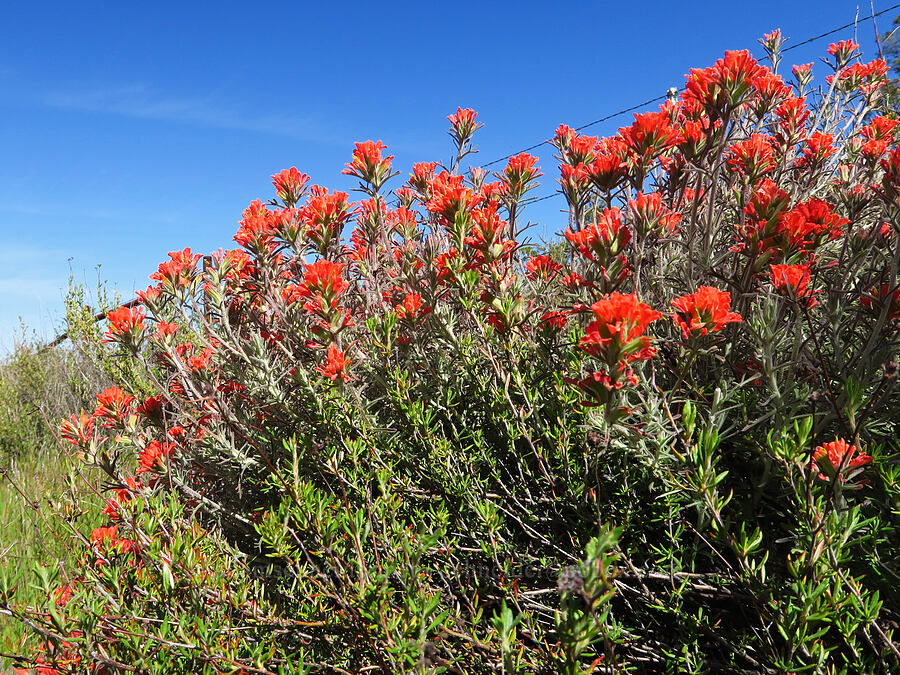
(138, 101)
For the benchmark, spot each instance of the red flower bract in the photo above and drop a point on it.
(78, 429)
(601, 240)
(125, 322)
(617, 333)
(651, 134)
(178, 269)
(335, 364)
(725, 84)
(113, 404)
(838, 458)
(449, 196)
(463, 124)
(809, 222)
(794, 279)
(289, 185)
(153, 455)
(649, 215)
(323, 279)
(368, 165)
(704, 311)
(753, 157)
(542, 267)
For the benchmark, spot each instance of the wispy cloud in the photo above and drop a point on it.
(142, 102)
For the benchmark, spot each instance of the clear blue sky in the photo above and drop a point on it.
(132, 129)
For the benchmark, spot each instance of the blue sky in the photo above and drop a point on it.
(131, 129)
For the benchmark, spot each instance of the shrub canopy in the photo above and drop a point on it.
(662, 442)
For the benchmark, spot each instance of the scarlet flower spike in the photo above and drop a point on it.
(290, 185)
(843, 51)
(520, 176)
(368, 164)
(113, 405)
(794, 281)
(617, 332)
(754, 157)
(542, 267)
(77, 429)
(335, 365)
(803, 74)
(126, 324)
(704, 311)
(839, 459)
(463, 125)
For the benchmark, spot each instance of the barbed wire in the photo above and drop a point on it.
(663, 97)
(657, 99)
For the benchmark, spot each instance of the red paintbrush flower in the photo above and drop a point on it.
(463, 125)
(257, 227)
(792, 118)
(289, 185)
(803, 74)
(178, 270)
(411, 307)
(878, 296)
(421, 175)
(793, 280)
(648, 215)
(449, 196)
(726, 84)
(325, 214)
(651, 134)
(843, 51)
(704, 311)
(520, 176)
(617, 333)
(153, 456)
(754, 157)
(78, 429)
(806, 225)
(602, 240)
(839, 459)
(542, 267)
(607, 169)
(819, 147)
(335, 365)
(368, 165)
(126, 324)
(323, 283)
(113, 404)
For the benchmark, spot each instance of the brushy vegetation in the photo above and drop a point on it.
(664, 443)
(37, 386)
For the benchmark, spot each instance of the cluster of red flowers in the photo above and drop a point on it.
(794, 281)
(617, 338)
(126, 324)
(463, 125)
(704, 311)
(839, 459)
(179, 270)
(113, 406)
(369, 165)
(779, 237)
(772, 230)
(289, 185)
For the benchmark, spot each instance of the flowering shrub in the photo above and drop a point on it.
(663, 443)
